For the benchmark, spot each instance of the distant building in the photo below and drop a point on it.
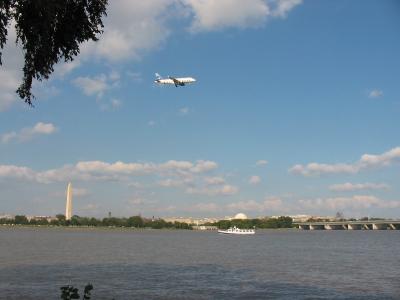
(68, 205)
(189, 220)
(203, 227)
(239, 216)
(40, 218)
(7, 217)
(305, 218)
(299, 218)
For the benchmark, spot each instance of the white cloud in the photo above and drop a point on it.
(215, 15)
(366, 161)
(134, 27)
(193, 182)
(261, 162)
(67, 67)
(375, 93)
(384, 159)
(317, 169)
(284, 6)
(136, 184)
(43, 128)
(10, 71)
(92, 86)
(114, 76)
(174, 164)
(353, 202)
(273, 203)
(119, 171)
(28, 133)
(135, 76)
(76, 192)
(115, 103)
(206, 207)
(192, 179)
(225, 190)
(139, 201)
(114, 168)
(221, 14)
(80, 192)
(254, 180)
(249, 205)
(228, 190)
(214, 180)
(131, 27)
(91, 207)
(8, 85)
(172, 183)
(98, 85)
(184, 111)
(111, 105)
(269, 204)
(16, 172)
(202, 166)
(347, 187)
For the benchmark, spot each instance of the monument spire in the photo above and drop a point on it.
(68, 206)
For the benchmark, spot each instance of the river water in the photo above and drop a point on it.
(164, 264)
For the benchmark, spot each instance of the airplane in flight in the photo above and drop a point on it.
(174, 80)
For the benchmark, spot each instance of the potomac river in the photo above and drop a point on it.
(183, 264)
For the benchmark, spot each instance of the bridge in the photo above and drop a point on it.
(350, 225)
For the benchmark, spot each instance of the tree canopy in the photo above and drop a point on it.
(49, 31)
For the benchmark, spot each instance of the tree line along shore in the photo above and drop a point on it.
(141, 222)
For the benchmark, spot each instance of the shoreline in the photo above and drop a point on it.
(123, 228)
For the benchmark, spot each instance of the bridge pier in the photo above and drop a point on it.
(351, 225)
(379, 226)
(394, 226)
(354, 226)
(304, 227)
(335, 227)
(367, 226)
(317, 227)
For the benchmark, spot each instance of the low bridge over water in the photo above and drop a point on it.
(350, 225)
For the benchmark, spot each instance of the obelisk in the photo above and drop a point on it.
(68, 206)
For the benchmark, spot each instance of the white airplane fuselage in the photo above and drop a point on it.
(175, 81)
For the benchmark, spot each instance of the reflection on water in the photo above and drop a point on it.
(129, 264)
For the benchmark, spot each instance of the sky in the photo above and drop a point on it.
(295, 111)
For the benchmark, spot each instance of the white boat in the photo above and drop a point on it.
(235, 230)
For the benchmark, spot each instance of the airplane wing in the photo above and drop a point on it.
(176, 81)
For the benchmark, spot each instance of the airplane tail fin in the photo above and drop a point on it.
(158, 76)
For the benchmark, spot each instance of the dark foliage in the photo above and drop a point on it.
(281, 222)
(49, 31)
(69, 292)
(134, 222)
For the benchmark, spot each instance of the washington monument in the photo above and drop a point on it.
(68, 206)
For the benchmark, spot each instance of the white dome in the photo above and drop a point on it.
(240, 216)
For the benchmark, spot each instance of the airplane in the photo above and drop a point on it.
(173, 80)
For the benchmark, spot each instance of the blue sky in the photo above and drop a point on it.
(295, 111)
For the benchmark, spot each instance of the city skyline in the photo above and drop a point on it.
(295, 111)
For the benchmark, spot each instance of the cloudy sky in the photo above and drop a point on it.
(296, 111)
